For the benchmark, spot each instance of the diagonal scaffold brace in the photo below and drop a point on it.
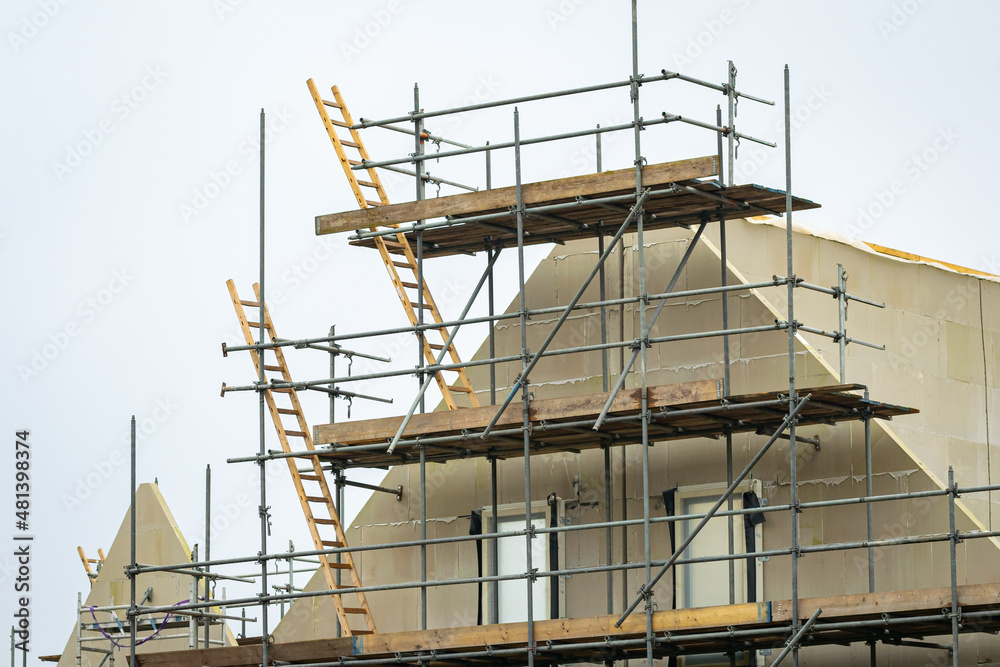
(794, 641)
(537, 356)
(442, 352)
(649, 327)
(788, 420)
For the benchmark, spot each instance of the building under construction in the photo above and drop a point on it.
(669, 447)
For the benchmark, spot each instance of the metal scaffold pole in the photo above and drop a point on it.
(869, 519)
(525, 394)
(842, 320)
(338, 485)
(262, 509)
(490, 251)
(193, 619)
(726, 387)
(603, 283)
(423, 536)
(418, 148)
(606, 447)
(792, 449)
(623, 460)
(341, 491)
(208, 546)
(492, 254)
(953, 559)
(643, 342)
(731, 133)
(133, 613)
(494, 612)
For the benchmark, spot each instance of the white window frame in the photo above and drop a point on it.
(543, 583)
(714, 490)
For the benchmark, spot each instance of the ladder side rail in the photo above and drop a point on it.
(283, 439)
(316, 466)
(429, 303)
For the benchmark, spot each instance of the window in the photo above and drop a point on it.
(707, 584)
(512, 594)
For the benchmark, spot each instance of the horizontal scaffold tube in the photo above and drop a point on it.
(722, 88)
(412, 116)
(836, 336)
(412, 159)
(278, 384)
(775, 282)
(253, 601)
(833, 292)
(839, 546)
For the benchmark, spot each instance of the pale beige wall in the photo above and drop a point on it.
(944, 377)
(939, 328)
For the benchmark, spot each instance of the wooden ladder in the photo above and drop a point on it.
(99, 561)
(319, 494)
(399, 247)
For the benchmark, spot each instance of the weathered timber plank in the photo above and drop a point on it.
(895, 602)
(381, 430)
(589, 628)
(501, 198)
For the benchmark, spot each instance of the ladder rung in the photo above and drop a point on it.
(354, 162)
(297, 434)
(435, 346)
(367, 184)
(325, 522)
(251, 304)
(273, 368)
(253, 325)
(362, 632)
(458, 387)
(374, 203)
(403, 265)
(355, 610)
(328, 543)
(332, 104)
(283, 390)
(286, 411)
(312, 478)
(339, 123)
(410, 285)
(341, 566)
(345, 142)
(316, 499)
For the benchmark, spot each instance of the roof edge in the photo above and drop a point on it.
(874, 248)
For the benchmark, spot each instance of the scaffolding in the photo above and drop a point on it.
(106, 634)
(691, 194)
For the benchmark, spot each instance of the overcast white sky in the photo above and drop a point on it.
(129, 196)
